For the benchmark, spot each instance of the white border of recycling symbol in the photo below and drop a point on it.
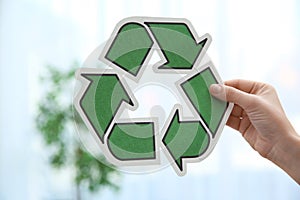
(108, 97)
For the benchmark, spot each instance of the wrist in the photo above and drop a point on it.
(286, 155)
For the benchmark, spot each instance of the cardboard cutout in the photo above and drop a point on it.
(139, 108)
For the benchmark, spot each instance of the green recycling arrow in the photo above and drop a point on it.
(132, 141)
(130, 47)
(185, 139)
(209, 108)
(100, 111)
(177, 44)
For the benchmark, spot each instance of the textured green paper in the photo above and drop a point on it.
(210, 108)
(100, 103)
(130, 47)
(185, 139)
(132, 141)
(175, 40)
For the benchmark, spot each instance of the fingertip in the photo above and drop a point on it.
(218, 91)
(215, 89)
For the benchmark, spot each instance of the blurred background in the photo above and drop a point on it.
(254, 39)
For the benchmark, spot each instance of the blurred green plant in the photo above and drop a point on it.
(55, 122)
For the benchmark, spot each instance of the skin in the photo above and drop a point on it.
(260, 118)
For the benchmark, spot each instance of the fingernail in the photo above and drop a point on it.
(216, 88)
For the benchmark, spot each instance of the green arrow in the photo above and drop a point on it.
(130, 47)
(102, 99)
(185, 140)
(177, 44)
(132, 141)
(209, 108)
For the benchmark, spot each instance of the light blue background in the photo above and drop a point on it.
(251, 39)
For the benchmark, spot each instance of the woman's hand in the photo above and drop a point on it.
(260, 118)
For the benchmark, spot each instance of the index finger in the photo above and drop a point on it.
(243, 85)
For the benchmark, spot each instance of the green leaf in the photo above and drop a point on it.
(52, 121)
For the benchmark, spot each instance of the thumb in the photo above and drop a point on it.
(231, 94)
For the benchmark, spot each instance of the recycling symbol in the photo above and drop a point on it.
(152, 101)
